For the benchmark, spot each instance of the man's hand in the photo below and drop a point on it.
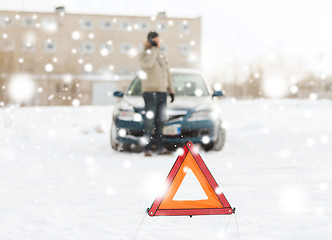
(172, 97)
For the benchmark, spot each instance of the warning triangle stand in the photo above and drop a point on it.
(215, 204)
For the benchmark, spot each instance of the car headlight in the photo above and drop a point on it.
(127, 113)
(130, 116)
(200, 115)
(205, 114)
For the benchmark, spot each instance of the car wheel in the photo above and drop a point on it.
(207, 147)
(170, 147)
(114, 142)
(219, 144)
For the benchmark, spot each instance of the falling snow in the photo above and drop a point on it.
(49, 67)
(104, 52)
(76, 102)
(21, 88)
(88, 67)
(59, 176)
(149, 114)
(76, 35)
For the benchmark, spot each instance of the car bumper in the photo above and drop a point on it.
(194, 131)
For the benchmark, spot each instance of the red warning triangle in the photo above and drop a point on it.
(216, 203)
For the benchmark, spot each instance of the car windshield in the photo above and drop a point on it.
(184, 85)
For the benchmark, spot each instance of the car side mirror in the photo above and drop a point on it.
(217, 94)
(118, 94)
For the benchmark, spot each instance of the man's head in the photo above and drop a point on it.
(153, 39)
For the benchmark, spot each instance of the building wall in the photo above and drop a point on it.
(59, 43)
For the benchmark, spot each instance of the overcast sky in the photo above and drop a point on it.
(232, 30)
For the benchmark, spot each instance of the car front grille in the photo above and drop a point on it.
(190, 133)
(185, 133)
(136, 133)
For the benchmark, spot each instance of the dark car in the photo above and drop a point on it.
(193, 116)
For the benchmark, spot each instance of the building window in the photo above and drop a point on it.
(184, 27)
(107, 48)
(106, 25)
(164, 49)
(49, 46)
(8, 46)
(49, 24)
(5, 21)
(125, 26)
(124, 70)
(140, 47)
(86, 24)
(28, 22)
(87, 47)
(66, 90)
(28, 47)
(125, 48)
(184, 48)
(161, 27)
(143, 26)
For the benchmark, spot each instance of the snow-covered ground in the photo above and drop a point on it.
(59, 178)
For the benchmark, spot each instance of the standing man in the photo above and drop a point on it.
(155, 88)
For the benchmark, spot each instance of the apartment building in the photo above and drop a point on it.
(86, 56)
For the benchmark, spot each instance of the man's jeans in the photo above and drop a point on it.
(155, 107)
